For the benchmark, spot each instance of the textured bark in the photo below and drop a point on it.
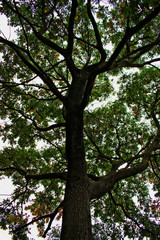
(76, 213)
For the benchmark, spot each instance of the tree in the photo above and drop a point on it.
(90, 161)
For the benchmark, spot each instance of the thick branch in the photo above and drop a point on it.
(134, 55)
(51, 127)
(129, 59)
(37, 34)
(12, 44)
(128, 34)
(143, 49)
(106, 183)
(139, 65)
(60, 175)
(71, 26)
(88, 90)
(98, 38)
(36, 69)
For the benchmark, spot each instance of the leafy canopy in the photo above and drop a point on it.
(106, 39)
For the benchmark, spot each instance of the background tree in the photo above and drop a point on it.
(64, 156)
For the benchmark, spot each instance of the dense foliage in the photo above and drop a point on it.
(98, 58)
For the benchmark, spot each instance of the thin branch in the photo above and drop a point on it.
(152, 111)
(154, 66)
(52, 144)
(86, 42)
(45, 14)
(52, 216)
(97, 148)
(155, 160)
(127, 215)
(62, 77)
(117, 150)
(124, 211)
(150, 61)
(154, 170)
(17, 169)
(20, 19)
(11, 86)
(51, 127)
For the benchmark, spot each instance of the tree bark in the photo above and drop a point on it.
(76, 224)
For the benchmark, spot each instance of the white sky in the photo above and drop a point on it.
(6, 189)
(6, 186)
(5, 30)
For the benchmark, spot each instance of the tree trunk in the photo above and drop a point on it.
(76, 223)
